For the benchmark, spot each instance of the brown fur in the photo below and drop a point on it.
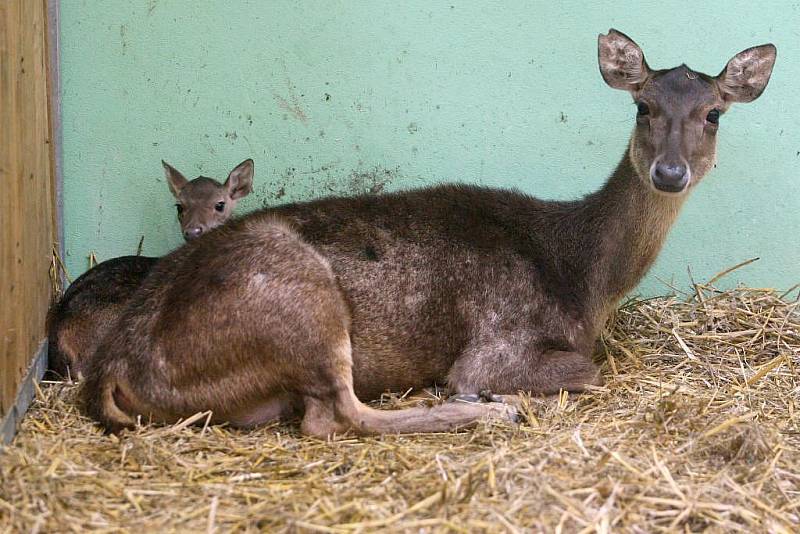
(83, 315)
(206, 203)
(281, 334)
(89, 307)
(473, 287)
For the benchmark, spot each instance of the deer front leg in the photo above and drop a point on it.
(508, 373)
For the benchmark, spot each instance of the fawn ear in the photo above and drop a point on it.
(175, 179)
(240, 180)
(621, 61)
(745, 76)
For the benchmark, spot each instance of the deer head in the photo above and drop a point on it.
(204, 203)
(678, 110)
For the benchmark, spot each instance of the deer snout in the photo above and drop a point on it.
(193, 232)
(670, 177)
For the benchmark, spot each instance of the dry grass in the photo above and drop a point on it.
(696, 429)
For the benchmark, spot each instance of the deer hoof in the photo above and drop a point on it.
(464, 397)
(485, 395)
(503, 409)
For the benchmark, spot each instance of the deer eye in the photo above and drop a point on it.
(642, 109)
(713, 116)
(220, 206)
(179, 207)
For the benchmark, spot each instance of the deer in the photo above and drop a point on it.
(80, 319)
(310, 309)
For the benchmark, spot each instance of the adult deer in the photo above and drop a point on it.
(308, 306)
(80, 319)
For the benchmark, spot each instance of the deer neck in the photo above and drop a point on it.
(629, 224)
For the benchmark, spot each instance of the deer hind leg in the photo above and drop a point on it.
(543, 374)
(344, 412)
(339, 410)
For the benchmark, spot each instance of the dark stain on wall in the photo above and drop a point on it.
(326, 181)
(122, 37)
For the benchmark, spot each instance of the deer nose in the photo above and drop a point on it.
(192, 233)
(670, 178)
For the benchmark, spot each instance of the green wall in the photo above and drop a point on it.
(345, 96)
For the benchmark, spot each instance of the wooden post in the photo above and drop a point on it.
(27, 203)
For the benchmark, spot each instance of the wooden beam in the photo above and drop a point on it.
(27, 199)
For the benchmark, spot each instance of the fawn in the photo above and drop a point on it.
(310, 308)
(79, 320)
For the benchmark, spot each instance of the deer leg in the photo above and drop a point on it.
(323, 419)
(514, 402)
(568, 371)
(484, 396)
(339, 410)
(541, 374)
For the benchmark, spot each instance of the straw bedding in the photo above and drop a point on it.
(697, 428)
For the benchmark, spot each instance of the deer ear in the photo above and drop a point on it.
(240, 180)
(621, 61)
(745, 76)
(175, 179)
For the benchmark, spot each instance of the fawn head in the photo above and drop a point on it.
(678, 110)
(204, 203)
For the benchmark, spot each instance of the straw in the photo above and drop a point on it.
(696, 428)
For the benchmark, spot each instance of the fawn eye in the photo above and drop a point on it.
(642, 109)
(713, 116)
(220, 206)
(179, 208)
